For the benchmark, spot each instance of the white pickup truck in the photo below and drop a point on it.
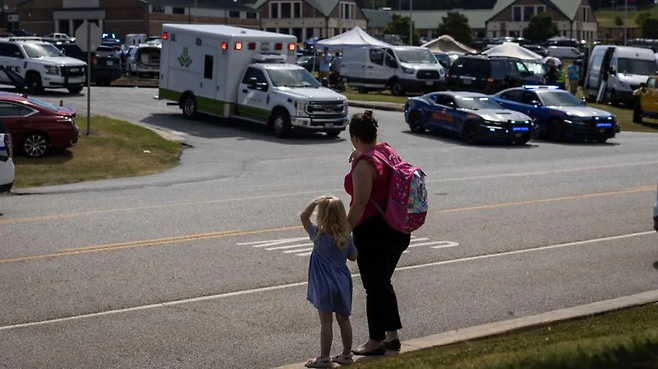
(245, 74)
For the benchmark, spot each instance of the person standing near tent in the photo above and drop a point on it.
(325, 64)
(573, 71)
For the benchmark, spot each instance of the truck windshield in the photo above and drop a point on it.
(292, 78)
(41, 51)
(416, 56)
(637, 66)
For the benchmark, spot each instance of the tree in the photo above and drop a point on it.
(399, 25)
(540, 28)
(619, 22)
(455, 24)
(641, 17)
(650, 28)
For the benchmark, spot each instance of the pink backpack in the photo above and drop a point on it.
(407, 197)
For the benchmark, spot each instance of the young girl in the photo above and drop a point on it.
(329, 279)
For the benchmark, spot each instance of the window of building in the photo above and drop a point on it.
(251, 15)
(286, 11)
(528, 12)
(585, 15)
(517, 14)
(157, 9)
(297, 10)
(347, 11)
(540, 9)
(234, 14)
(178, 10)
(274, 10)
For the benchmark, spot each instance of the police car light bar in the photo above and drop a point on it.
(548, 87)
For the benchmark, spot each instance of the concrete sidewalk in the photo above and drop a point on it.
(492, 329)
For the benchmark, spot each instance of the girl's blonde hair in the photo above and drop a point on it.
(332, 220)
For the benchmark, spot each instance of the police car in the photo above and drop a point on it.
(559, 114)
(37, 65)
(6, 161)
(473, 116)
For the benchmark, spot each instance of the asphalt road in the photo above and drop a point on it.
(205, 266)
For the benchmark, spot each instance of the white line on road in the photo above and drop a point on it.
(298, 250)
(270, 241)
(288, 247)
(438, 243)
(299, 284)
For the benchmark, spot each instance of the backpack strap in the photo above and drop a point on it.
(375, 155)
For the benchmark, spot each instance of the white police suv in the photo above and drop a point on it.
(37, 65)
(6, 162)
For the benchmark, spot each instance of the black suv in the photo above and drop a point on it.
(104, 69)
(489, 75)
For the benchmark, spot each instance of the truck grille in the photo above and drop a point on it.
(428, 74)
(333, 109)
(73, 71)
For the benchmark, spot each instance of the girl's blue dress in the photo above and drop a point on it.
(329, 280)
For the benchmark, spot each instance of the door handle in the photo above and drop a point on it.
(369, 67)
(245, 90)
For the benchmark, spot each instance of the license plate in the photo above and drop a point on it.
(467, 81)
(429, 83)
(601, 130)
(329, 125)
(518, 134)
(110, 62)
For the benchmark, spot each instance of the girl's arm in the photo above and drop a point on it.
(305, 216)
(362, 180)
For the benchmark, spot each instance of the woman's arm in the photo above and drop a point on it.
(363, 177)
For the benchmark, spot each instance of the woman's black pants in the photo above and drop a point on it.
(380, 248)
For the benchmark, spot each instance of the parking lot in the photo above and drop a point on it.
(205, 265)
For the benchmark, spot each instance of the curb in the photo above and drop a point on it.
(377, 105)
(518, 324)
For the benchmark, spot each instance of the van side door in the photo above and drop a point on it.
(377, 73)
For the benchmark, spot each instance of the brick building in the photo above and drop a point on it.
(9, 14)
(123, 17)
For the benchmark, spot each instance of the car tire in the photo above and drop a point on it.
(75, 90)
(614, 101)
(35, 145)
(471, 133)
(555, 130)
(521, 142)
(333, 134)
(415, 123)
(189, 107)
(281, 124)
(602, 140)
(396, 89)
(34, 84)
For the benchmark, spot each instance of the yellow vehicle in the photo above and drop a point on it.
(646, 100)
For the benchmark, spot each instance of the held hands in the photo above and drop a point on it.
(355, 154)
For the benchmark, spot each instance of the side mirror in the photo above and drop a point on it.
(612, 71)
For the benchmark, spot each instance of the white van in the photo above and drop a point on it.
(134, 39)
(246, 74)
(564, 52)
(398, 68)
(614, 72)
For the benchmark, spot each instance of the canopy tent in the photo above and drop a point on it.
(356, 37)
(448, 45)
(512, 50)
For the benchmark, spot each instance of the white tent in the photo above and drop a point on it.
(356, 37)
(512, 50)
(448, 45)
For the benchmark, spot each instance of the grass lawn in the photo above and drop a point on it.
(624, 116)
(114, 149)
(606, 18)
(570, 344)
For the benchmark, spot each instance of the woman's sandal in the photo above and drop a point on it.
(343, 359)
(319, 362)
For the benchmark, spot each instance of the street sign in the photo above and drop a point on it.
(94, 35)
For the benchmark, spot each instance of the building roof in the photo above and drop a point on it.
(426, 19)
(568, 8)
(325, 7)
(203, 4)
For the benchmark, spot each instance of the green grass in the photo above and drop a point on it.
(624, 337)
(115, 149)
(606, 18)
(624, 116)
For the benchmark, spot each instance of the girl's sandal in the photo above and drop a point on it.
(343, 359)
(319, 362)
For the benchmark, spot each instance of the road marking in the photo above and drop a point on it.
(268, 241)
(288, 247)
(300, 284)
(298, 250)
(292, 194)
(208, 236)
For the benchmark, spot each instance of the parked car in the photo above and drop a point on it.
(7, 170)
(559, 114)
(37, 126)
(446, 59)
(144, 59)
(308, 63)
(104, 69)
(472, 116)
(488, 75)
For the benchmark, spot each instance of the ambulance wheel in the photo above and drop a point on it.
(189, 107)
(34, 84)
(281, 123)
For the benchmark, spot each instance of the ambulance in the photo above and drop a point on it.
(246, 74)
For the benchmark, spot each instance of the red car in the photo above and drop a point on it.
(37, 126)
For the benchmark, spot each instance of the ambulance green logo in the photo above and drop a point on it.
(184, 59)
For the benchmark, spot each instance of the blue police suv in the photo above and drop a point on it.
(472, 116)
(559, 114)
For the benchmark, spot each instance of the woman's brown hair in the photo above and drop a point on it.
(364, 127)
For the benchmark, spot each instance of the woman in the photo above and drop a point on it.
(379, 245)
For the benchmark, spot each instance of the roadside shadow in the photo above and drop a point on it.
(452, 140)
(61, 93)
(55, 157)
(578, 142)
(213, 127)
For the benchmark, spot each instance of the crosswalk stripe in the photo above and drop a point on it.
(261, 243)
(420, 239)
(449, 244)
(299, 250)
(288, 247)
